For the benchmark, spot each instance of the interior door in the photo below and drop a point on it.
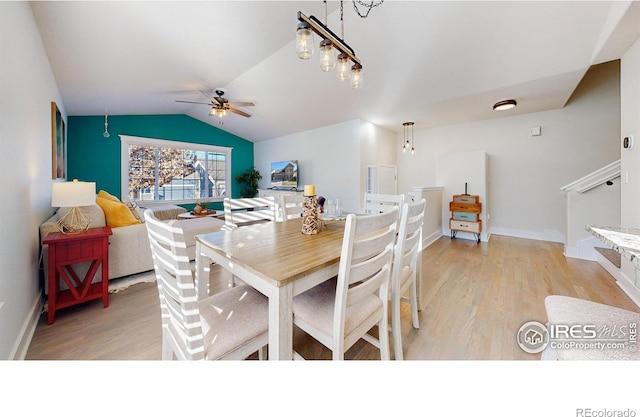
(387, 179)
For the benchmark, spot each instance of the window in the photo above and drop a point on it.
(372, 174)
(177, 172)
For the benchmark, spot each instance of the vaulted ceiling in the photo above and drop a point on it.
(431, 62)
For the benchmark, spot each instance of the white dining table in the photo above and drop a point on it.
(276, 259)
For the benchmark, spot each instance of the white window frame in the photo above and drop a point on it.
(372, 179)
(126, 141)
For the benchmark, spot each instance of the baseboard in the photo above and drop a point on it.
(28, 329)
(428, 240)
(546, 235)
(584, 249)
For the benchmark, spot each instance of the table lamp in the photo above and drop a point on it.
(73, 194)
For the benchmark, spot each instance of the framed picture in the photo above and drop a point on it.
(58, 144)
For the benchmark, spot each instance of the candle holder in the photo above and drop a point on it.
(310, 223)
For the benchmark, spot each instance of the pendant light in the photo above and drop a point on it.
(304, 41)
(356, 76)
(408, 137)
(327, 56)
(334, 51)
(343, 69)
(343, 59)
(106, 133)
(327, 53)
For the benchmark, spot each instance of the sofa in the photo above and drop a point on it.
(129, 250)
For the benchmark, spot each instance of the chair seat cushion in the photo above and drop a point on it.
(611, 323)
(238, 315)
(317, 305)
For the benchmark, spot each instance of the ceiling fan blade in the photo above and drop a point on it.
(240, 112)
(192, 102)
(241, 104)
(206, 93)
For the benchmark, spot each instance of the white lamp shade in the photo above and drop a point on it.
(73, 194)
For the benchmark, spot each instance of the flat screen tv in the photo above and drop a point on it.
(284, 174)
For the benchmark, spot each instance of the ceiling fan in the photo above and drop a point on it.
(220, 105)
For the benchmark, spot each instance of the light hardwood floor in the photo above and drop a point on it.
(474, 296)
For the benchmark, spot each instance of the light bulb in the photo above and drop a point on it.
(356, 76)
(327, 56)
(342, 71)
(304, 41)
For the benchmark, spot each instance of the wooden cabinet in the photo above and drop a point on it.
(465, 215)
(65, 250)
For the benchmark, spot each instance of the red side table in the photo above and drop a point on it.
(66, 250)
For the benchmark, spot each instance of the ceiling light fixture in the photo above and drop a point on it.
(408, 137)
(505, 105)
(330, 44)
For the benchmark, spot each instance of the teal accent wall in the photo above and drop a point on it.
(92, 157)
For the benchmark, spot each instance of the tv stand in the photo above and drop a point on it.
(275, 192)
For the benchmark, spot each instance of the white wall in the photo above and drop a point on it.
(456, 169)
(333, 158)
(28, 88)
(630, 159)
(525, 172)
(598, 206)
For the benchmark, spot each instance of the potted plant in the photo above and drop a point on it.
(248, 181)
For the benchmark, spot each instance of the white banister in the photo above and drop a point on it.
(594, 179)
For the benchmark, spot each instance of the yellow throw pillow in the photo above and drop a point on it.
(116, 213)
(107, 196)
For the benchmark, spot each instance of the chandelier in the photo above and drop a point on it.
(408, 137)
(335, 53)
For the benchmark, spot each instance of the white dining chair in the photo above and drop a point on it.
(378, 203)
(231, 324)
(341, 311)
(404, 271)
(291, 206)
(246, 211)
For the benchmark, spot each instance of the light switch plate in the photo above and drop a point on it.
(535, 131)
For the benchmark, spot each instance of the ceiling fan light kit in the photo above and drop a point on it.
(220, 105)
(330, 45)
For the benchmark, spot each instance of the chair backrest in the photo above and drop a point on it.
(408, 242)
(291, 206)
(365, 263)
(379, 203)
(243, 211)
(181, 322)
